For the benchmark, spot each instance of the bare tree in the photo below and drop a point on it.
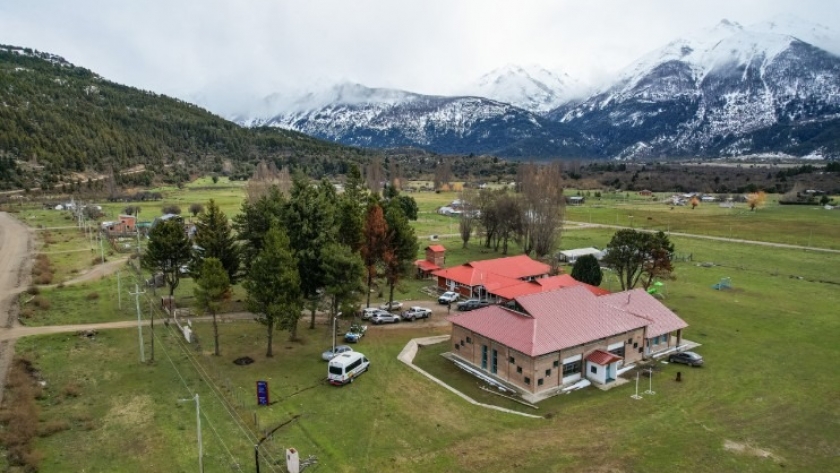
(443, 174)
(543, 207)
(469, 214)
(374, 175)
(264, 177)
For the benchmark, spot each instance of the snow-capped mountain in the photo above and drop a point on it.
(356, 115)
(533, 88)
(725, 90)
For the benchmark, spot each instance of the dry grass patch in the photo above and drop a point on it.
(747, 449)
(42, 271)
(131, 412)
(19, 418)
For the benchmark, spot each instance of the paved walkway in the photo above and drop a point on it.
(410, 351)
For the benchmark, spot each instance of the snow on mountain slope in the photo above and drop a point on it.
(803, 30)
(717, 91)
(533, 88)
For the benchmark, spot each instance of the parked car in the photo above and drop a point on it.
(687, 357)
(448, 297)
(334, 352)
(416, 312)
(472, 304)
(355, 333)
(393, 305)
(383, 317)
(370, 312)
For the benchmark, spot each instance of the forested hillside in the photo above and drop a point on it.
(60, 123)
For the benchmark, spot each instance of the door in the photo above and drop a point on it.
(494, 365)
(484, 357)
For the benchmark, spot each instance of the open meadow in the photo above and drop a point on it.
(767, 399)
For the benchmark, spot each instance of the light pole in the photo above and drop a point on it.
(198, 429)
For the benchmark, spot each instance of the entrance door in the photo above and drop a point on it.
(494, 365)
(484, 357)
(611, 372)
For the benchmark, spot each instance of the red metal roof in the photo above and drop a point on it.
(546, 284)
(641, 304)
(471, 276)
(436, 248)
(603, 358)
(426, 265)
(552, 321)
(517, 267)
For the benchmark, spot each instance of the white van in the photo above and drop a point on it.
(345, 367)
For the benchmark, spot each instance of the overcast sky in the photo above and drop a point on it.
(229, 50)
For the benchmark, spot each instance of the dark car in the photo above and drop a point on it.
(472, 304)
(687, 358)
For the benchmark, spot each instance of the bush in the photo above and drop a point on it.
(71, 390)
(33, 290)
(26, 313)
(92, 296)
(41, 303)
(52, 427)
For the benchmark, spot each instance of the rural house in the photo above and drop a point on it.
(480, 279)
(553, 339)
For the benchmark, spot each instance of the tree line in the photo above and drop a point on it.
(291, 250)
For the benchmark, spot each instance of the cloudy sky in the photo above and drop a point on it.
(226, 51)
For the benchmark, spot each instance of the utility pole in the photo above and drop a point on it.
(198, 429)
(101, 250)
(136, 295)
(152, 319)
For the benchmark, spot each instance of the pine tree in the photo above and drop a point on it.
(168, 252)
(211, 290)
(273, 286)
(214, 239)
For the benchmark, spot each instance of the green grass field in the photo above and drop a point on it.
(769, 391)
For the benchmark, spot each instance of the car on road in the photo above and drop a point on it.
(416, 312)
(334, 352)
(383, 317)
(370, 312)
(687, 358)
(393, 305)
(448, 297)
(472, 304)
(355, 333)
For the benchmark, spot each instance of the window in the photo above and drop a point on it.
(528, 381)
(629, 341)
(494, 366)
(635, 345)
(484, 357)
(547, 373)
(571, 368)
(593, 369)
(458, 347)
(618, 352)
(539, 382)
(519, 369)
(511, 360)
(469, 340)
(640, 349)
(556, 363)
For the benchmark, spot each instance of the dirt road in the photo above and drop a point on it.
(15, 263)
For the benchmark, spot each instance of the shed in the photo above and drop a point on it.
(571, 256)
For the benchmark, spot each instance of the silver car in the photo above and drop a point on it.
(334, 352)
(385, 318)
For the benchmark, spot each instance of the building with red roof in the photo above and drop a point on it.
(435, 259)
(481, 279)
(550, 339)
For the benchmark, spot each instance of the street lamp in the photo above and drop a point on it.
(198, 429)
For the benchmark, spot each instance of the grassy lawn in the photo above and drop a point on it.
(769, 384)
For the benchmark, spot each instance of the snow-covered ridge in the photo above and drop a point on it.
(533, 88)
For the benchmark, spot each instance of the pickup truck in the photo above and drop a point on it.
(355, 333)
(416, 312)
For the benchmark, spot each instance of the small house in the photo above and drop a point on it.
(435, 260)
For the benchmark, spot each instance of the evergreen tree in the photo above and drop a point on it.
(587, 270)
(400, 246)
(211, 290)
(168, 252)
(254, 221)
(273, 286)
(214, 239)
(343, 273)
(310, 223)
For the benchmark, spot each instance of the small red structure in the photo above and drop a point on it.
(435, 259)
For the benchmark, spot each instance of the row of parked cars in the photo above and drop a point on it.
(382, 316)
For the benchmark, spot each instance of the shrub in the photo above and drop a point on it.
(41, 303)
(33, 290)
(92, 296)
(71, 390)
(26, 313)
(52, 427)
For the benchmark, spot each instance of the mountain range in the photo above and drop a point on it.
(725, 91)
